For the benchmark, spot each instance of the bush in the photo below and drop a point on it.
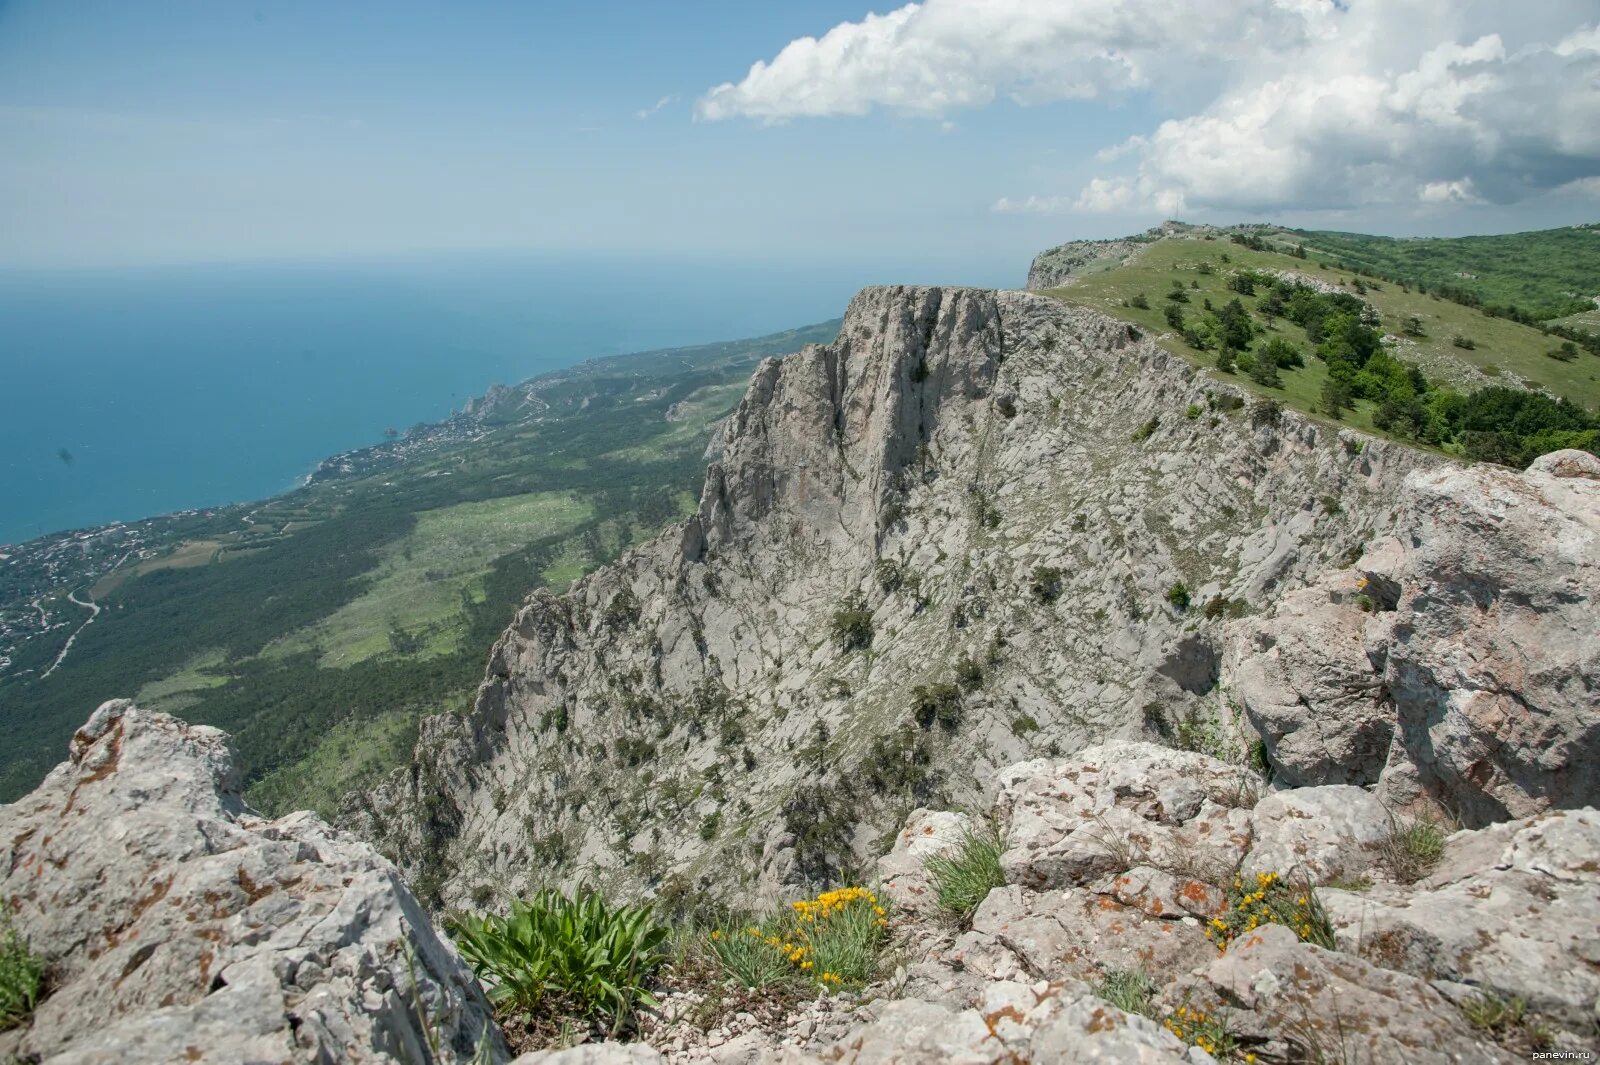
(852, 625)
(555, 956)
(833, 940)
(1178, 596)
(937, 703)
(1140, 301)
(1465, 343)
(969, 674)
(21, 973)
(1144, 431)
(963, 878)
(1268, 899)
(1046, 584)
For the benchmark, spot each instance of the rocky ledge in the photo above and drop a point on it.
(175, 925)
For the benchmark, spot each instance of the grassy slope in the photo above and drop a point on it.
(1539, 271)
(272, 620)
(1505, 350)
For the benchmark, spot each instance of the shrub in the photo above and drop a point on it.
(1140, 301)
(21, 973)
(1046, 584)
(1204, 1030)
(941, 703)
(969, 674)
(1130, 990)
(1268, 899)
(963, 877)
(1178, 596)
(1023, 724)
(852, 625)
(833, 940)
(1412, 850)
(710, 825)
(1465, 343)
(555, 956)
(1174, 316)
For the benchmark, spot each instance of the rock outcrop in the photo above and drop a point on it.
(942, 544)
(177, 926)
(1456, 665)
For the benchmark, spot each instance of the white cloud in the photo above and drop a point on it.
(644, 113)
(1311, 104)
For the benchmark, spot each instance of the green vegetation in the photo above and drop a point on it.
(1534, 274)
(1267, 898)
(1312, 337)
(834, 941)
(319, 626)
(1413, 849)
(558, 958)
(1507, 1020)
(963, 878)
(852, 625)
(21, 974)
(1130, 990)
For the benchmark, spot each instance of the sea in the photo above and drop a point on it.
(128, 393)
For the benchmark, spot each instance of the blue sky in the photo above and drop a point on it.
(975, 130)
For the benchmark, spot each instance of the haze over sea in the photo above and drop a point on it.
(129, 393)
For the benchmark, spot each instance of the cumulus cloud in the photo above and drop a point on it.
(1297, 103)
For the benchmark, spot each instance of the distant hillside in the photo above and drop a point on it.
(319, 625)
(1406, 363)
(1543, 274)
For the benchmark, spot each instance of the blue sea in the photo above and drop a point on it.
(129, 393)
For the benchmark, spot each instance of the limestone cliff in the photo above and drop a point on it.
(977, 527)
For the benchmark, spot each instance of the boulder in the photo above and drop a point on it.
(1319, 834)
(903, 873)
(176, 925)
(1456, 665)
(1335, 1007)
(1119, 805)
(1513, 910)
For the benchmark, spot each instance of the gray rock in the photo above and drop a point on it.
(1456, 665)
(1336, 1007)
(949, 450)
(1318, 833)
(903, 872)
(178, 926)
(1513, 910)
(594, 1054)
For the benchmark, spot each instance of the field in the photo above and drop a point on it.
(1503, 351)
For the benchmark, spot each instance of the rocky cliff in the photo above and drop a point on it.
(174, 925)
(977, 527)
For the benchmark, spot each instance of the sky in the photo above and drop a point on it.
(182, 132)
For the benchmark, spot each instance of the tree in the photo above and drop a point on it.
(1236, 329)
(1174, 315)
(1336, 398)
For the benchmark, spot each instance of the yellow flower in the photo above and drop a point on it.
(715, 934)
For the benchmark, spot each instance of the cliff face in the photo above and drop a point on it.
(174, 924)
(945, 542)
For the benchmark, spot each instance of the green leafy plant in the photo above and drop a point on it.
(964, 876)
(21, 974)
(577, 957)
(1178, 596)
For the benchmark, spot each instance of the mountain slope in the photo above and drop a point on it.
(976, 528)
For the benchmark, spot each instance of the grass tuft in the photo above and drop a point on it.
(1413, 849)
(1130, 990)
(963, 878)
